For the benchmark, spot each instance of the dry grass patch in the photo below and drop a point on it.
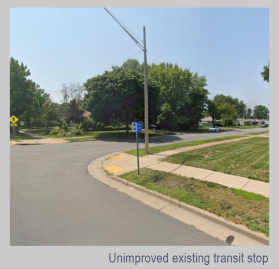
(240, 207)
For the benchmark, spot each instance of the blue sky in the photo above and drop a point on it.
(63, 45)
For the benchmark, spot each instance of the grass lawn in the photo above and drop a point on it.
(158, 149)
(95, 135)
(21, 136)
(247, 158)
(258, 133)
(240, 207)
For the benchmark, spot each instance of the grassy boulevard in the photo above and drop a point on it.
(248, 158)
(240, 207)
(21, 136)
(158, 149)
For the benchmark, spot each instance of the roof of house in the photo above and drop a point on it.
(208, 119)
(246, 120)
(86, 114)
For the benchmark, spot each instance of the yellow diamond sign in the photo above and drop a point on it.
(13, 119)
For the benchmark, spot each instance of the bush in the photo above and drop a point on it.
(100, 126)
(77, 132)
(53, 123)
(47, 132)
(64, 125)
(54, 131)
(88, 124)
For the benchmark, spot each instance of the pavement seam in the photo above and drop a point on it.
(163, 207)
(245, 184)
(208, 175)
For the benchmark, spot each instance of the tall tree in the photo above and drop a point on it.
(228, 114)
(21, 89)
(249, 113)
(75, 113)
(119, 96)
(265, 73)
(50, 112)
(165, 118)
(260, 112)
(132, 64)
(239, 105)
(26, 97)
(182, 90)
(213, 110)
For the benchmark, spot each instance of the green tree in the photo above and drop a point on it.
(265, 73)
(26, 97)
(49, 113)
(213, 110)
(118, 96)
(260, 112)
(75, 113)
(21, 89)
(249, 113)
(165, 118)
(182, 90)
(239, 105)
(132, 65)
(228, 115)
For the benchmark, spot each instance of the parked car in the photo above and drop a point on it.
(215, 129)
(264, 125)
(153, 126)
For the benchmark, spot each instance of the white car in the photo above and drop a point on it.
(215, 129)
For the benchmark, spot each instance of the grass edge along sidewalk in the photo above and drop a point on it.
(237, 206)
(247, 158)
(158, 149)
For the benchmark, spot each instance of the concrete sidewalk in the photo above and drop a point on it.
(123, 163)
(228, 232)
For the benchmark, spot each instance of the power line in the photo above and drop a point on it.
(126, 27)
(122, 26)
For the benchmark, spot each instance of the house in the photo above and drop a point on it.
(86, 114)
(242, 121)
(207, 122)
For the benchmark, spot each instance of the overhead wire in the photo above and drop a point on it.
(125, 28)
(135, 40)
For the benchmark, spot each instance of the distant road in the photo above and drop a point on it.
(55, 202)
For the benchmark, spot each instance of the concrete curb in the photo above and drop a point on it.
(241, 229)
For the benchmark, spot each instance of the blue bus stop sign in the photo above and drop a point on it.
(136, 127)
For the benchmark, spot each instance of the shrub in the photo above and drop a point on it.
(47, 132)
(100, 126)
(88, 124)
(64, 125)
(77, 132)
(54, 131)
(53, 123)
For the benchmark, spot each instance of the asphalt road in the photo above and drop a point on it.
(55, 202)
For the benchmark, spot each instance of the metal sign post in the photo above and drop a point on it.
(71, 124)
(137, 128)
